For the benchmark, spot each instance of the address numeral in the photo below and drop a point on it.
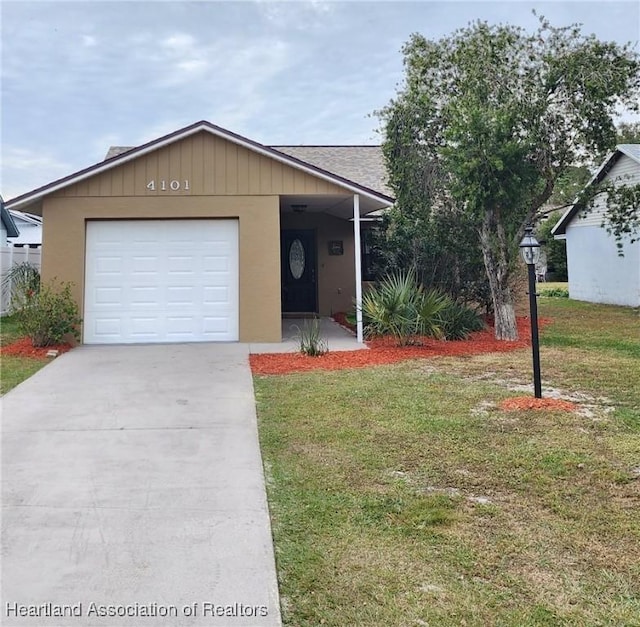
(174, 185)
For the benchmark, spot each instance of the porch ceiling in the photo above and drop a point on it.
(335, 205)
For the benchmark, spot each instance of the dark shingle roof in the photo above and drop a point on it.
(114, 151)
(360, 164)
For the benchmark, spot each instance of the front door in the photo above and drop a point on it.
(298, 263)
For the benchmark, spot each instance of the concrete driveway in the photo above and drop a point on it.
(133, 492)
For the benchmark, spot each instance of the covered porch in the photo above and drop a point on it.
(337, 337)
(322, 265)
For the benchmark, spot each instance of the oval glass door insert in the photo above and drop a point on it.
(296, 259)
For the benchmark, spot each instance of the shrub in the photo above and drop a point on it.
(311, 342)
(400, 307)
(555, 292)
(20, 283)
(458, 320)
(48, 315)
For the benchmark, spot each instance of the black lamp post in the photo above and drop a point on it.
(530, 250)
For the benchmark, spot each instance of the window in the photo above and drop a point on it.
(369, 255)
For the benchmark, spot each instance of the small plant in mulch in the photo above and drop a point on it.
(312, 344)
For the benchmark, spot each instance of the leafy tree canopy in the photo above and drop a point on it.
(490, 118)
(628, 133)
(569, 185)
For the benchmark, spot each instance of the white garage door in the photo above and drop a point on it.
(149, 281)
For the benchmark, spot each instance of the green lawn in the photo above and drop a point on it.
(401, 495)
(14, 370)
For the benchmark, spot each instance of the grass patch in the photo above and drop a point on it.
(589, 326)
(9, 331)
(402, 495)
(14, 370)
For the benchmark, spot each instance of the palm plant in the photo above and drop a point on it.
(400, 307)
(21, 283)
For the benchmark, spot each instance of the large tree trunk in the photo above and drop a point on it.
(495, 251)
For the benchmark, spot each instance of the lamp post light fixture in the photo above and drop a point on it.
(530, 251)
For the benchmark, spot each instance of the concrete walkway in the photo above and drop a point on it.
(337, 338)
(132, 479)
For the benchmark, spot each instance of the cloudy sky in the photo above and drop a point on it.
(78, 77)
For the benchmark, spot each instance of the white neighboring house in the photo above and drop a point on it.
(30, 227)
(597, 273)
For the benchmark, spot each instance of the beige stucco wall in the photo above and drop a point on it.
(336, 273)
(63, 248)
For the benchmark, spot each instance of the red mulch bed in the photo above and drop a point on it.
(384, 351)
(24, 348)
(527, 402)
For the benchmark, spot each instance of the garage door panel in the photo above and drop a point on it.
(217, 296)
(161, 281)
(144, 326)
(108, 296)
(181, 325)
(182, 264)
(108, 265)
(147, 264)
(182, 295)
(213, 326)
(107, 327)
(215, 264)
(144, 295)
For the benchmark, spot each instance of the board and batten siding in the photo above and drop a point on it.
(627, 172)
(213, 166)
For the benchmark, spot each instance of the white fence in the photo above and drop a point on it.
(10, 256)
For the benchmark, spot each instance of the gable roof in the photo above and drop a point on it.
(27, 218)
(630, 150)
(7, 220)
(29, 226)
(361, 164)
(128, 154)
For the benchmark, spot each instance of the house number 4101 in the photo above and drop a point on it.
(172, 186)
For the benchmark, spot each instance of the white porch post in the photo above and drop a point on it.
(356, 239)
